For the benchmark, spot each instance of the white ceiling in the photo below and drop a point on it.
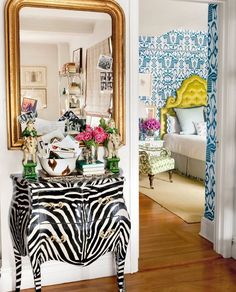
(56, 25)
(160, 16)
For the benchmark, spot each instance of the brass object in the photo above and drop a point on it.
(54, 238)
(12, 48)
(106, 234)
(104, 201)
(54, 206)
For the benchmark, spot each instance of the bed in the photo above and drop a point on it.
(189, 150)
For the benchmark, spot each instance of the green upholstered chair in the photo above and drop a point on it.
(154, 160)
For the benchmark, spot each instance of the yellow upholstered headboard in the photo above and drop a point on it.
(192, 93)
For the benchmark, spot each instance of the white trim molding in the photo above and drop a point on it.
(226, 132)
(234, 247)
(133, 134)
(207, 229)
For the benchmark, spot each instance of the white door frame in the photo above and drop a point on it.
(226, 141)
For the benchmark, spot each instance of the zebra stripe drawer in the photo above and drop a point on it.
(70, 221)
(62, 242)
(103, 200)
(58, 206)
(102, 236)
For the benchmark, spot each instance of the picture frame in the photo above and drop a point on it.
(106, 81)
(28, 105)
(33, 76)
(39, 94)
(151, 111)
(105, 63)
(78, 59)
(145, 84)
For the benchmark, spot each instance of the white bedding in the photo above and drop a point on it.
(192, 146)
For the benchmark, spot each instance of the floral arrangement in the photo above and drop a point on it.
(151, 124)
(92, 137)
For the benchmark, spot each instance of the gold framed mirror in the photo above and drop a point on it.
(13, 60)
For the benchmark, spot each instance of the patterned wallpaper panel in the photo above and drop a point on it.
(170, 59)
(210, 183)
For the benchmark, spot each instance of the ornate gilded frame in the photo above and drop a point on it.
(192, 93)
(12, 49)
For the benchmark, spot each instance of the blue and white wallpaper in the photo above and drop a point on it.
(210, 183)
(170, 59)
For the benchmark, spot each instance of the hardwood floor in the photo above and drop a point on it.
(173, 258)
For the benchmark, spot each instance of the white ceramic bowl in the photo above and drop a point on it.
(58, 167)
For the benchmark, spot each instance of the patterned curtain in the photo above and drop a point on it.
(210, 183)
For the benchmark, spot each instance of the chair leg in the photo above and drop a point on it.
(151, 177)
(170, 175)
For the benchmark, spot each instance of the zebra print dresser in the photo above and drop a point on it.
(73, 221)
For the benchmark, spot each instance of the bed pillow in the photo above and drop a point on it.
(201, 128)
(172, 125)
(187, 117)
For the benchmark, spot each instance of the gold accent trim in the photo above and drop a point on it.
(107, 233)
(54, 206)
(104, 201)
(12, 50)
(192, 93)
(54, 238)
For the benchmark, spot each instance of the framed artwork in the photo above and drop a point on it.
(28, 105)
(106, 81)
(105, 63)
(77, 59)
(33, 76)
(145, 84)
(38, 94)
(151, 111)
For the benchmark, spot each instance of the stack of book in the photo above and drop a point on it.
(90, 169)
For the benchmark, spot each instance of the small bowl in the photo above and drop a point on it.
(58, 167)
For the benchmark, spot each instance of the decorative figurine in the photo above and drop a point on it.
(29, 149)
(112, 146)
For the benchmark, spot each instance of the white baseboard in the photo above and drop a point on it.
(207, 229)
(234, 247)
(57, 273)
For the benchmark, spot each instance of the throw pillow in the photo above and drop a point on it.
(201, 128)
(187, 117)
(172, 125)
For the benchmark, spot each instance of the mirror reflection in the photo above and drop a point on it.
(65, 67)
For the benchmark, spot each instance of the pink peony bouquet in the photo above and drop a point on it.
(151, 124)
(92, 136)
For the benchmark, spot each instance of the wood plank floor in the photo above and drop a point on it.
(173, 258)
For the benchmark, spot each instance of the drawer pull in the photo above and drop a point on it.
(53, 206)
(56, 239)
(106, 234)
(104, 201)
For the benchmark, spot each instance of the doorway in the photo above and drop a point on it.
(171, 53)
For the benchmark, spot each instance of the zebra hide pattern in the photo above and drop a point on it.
(70, 221)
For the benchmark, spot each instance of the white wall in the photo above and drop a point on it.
(10, 162)
(160, 16)
(44, 55)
